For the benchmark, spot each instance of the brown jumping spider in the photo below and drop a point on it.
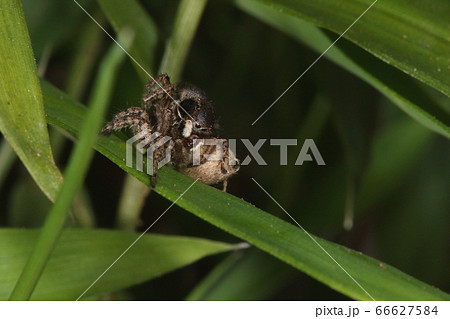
(187, 117)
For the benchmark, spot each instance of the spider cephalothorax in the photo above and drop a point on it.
(195, 111)
(186, 116)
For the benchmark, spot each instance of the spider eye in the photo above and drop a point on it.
(189, 105)
(197, 125)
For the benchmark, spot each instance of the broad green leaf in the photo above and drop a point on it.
(131, 14)
(412, 35)
(400, 88)
(22, 119)
(81, 256)
(279, 238)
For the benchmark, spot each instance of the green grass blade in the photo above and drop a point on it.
(22, 119)
(355, 114)
(400, 88)
(186, 22)
(201, 290)
(280, 239)
(408, 34)
(83, 64)
(241, 277)
(131, 14)
(86, 53)
(75, 173)
(131, 203)
(82, 255)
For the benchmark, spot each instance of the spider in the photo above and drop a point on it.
(187, 117)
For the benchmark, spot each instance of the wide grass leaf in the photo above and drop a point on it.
(22, 119)
(83, 255)
(397, 86)
(412, 35)
(279, 238)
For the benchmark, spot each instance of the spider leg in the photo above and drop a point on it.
(225, 156)
(158, 154)
(161, 80)
(165, 122)
(153, 178)
(160, 90)
(224, 185)
(156, 158)
(159, 93)
(134, 117)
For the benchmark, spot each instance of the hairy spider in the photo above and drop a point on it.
(187, 117)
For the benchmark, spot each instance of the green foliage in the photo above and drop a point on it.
(186, 22)
(395, 85)
(411, 35)
(22, 120)
(386, 172)
(75, 173)
(285, 241)
(132, 15)
(65, 278)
